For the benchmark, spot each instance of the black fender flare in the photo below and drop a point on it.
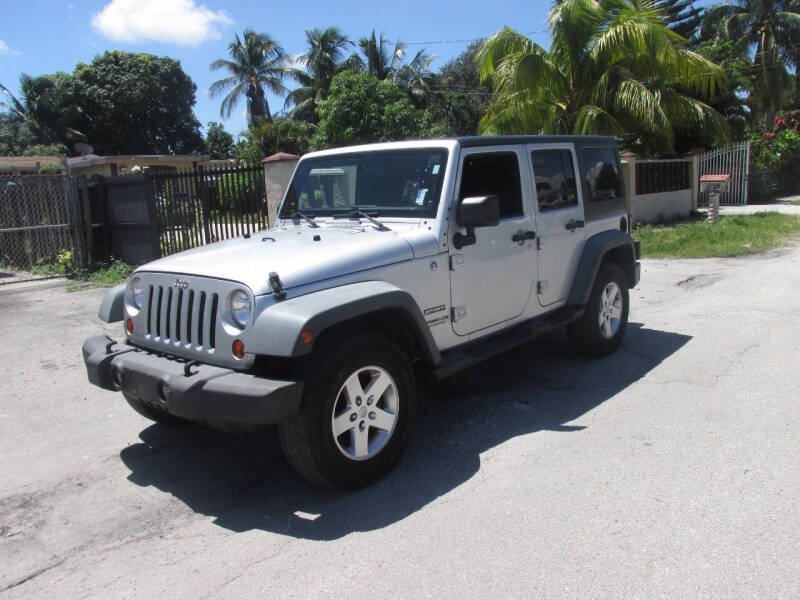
(276, 331)
(594, 251)
(113, 304)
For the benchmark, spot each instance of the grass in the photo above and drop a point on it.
(102, 275)
(796, 202)
(730, 236)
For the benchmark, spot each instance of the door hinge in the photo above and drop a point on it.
(456, 260)
(458, 313)
(541, 286)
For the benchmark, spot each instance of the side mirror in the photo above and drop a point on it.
(478, 211)
(472, 212)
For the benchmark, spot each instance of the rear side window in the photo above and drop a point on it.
(496, 173)
(554, 175)
(601, 174)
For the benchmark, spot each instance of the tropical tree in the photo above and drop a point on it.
(614, 67)
(324, 58)
(414, 78)
(120, 103)
(771, 28)
(257, 64)
(683, 17)
(378, 60)
(218, 142)
(361, 109)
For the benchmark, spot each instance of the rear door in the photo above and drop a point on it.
(559, 217)
(491, 280)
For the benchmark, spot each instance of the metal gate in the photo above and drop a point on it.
(733, 160)
(39, 220)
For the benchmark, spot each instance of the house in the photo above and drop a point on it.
(27, 165)
(109, 166)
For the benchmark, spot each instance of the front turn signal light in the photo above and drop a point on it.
(238, 348)
(129, 326)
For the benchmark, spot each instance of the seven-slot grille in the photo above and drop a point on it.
(181, 316)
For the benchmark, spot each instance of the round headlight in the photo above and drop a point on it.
(137, 292)
(240, 308)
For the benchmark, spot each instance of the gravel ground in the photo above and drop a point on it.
(669, 470)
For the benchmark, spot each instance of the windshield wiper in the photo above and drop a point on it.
(363, 215)
(298, 215)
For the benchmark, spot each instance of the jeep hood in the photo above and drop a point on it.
(293, 253)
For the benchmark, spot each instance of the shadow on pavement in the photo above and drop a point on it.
(245, 483)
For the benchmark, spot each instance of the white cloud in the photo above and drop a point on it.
(179, 22)
(6, 51)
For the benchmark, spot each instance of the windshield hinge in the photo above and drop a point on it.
(456, 260)
(458, 313)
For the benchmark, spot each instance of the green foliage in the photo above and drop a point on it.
(614, 67)
(362, 109)
(771, 32)
(104, 274)
(461, 99)
(257, 63)
(219, 143)
(682, 16)
(730, 236)
(323, 59)
(283, 135)
(120, 103)
(135, 103)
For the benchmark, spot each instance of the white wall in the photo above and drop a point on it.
(666, 206)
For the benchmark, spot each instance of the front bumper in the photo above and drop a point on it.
(193, 391)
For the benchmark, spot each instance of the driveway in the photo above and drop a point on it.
(671, 469)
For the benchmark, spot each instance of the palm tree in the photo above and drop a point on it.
(614, 67)
(380, 61)
(414, 77)
(772, 29)
(258, 63)
(322, 60)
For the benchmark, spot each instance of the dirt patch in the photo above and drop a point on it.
(696, 282)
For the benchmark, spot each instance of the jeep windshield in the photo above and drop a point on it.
(399, 183)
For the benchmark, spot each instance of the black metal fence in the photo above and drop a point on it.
(662, 176)
(202, 205)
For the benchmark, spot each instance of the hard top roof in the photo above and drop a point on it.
(501, 140)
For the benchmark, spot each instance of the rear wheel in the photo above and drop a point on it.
(601, 329)
(356, 413)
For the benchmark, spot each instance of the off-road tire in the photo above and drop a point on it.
(153, 413)
(307, 438)
(585, 334)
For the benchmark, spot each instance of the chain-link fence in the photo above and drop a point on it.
(39, 220)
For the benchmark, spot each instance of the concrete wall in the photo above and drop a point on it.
(277, 175)
(664, 206)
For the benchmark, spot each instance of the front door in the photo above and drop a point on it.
(559, 217)
(491, 280)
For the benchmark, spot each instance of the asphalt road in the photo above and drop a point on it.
(669, 470)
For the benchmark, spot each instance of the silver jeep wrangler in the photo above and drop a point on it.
(388, 262)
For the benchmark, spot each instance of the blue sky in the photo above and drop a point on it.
(39, 36)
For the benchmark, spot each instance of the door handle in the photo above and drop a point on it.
(574, 224)
(521, 236)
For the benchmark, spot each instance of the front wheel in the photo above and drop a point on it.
(600, 330)
(356, 413)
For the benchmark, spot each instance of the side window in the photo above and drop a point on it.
(600, 174)
(554, 175)
(498, 174)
